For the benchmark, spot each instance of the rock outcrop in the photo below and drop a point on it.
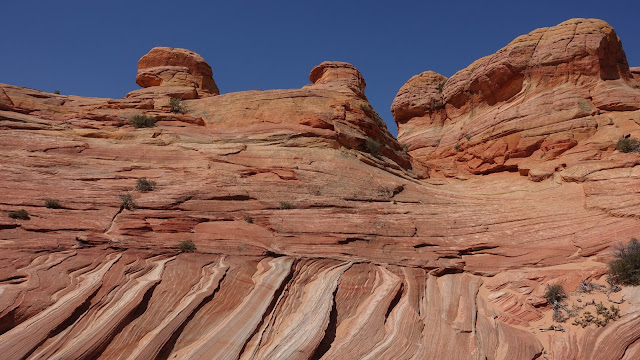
(179, 73)
(312, 242)
(545, 93)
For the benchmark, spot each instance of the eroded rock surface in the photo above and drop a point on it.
(560, 92)
(180, 73)
(312, 243)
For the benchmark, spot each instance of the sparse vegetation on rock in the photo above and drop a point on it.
(52, 204)
(603, 316)
(187, 246)
(142, 121)
(145, 185)
(555, 294)
(21, 214)
(285, 205)
(127, 202)
(625, 268)
(373, 147)
(176, 105)
(248, 219)
(627, 145)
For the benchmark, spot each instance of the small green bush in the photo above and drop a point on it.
(21, 214)
(625, 268)
(142, 121)
(248, 219)
(284, 205)
(127, 202)
(57, 92)
(627, 145)
(555, 294)
(176, 105)
(145, 185)
(52, 204)
(373, 147)
(187, 246)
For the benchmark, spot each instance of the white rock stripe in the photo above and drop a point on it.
(19, 341)
(351, 332)
(101, 326)
(151, 344)
(303, 329)
(225, 341)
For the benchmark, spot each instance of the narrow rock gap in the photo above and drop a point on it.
(394, 302)
(277, 296)
(329, 333)
(132, 316)
(75, 316)
(168, 347)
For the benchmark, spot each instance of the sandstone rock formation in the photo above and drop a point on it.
(552, 90)
(180, 73)
(312, 242)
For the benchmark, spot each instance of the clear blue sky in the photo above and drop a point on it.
(91, 48)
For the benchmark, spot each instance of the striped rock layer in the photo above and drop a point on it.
(312, 242)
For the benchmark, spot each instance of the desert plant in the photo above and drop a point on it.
(557, 316)
(57, 92)
(625, 268)
(127, 202)
(21, 214)
(468, 137)
(145, 185)
(176, 105)
(456, 147)
(187, 246)
(142, 121)
(627, 145)
(52, 204)
(284, 205)
(555, 294)
(248, 219)
(373, 147)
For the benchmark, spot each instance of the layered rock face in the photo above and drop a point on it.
(179, 73)
(312, 241)
(554, 92)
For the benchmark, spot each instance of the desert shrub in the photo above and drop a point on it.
(127, 202)
(21, 214)
(142, 121)
(176, 105)
(373, 147)
(603, 316)
(456, 147)
(284, 205)
(555, 294)
(558, 316)
(248, 219)
(627, 145)
(187, 246)
(468, 137)
(57, 92)
(52, 204)
(625, 268)
(145, 185)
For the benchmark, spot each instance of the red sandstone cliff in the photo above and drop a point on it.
(317, 235)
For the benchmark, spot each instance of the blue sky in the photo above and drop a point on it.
(91, 48)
